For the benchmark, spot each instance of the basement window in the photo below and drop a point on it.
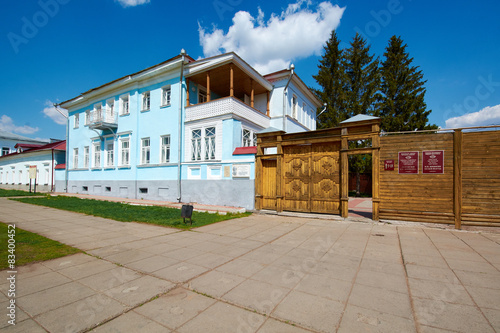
(143, 190)
(108, 189)
(85, 188)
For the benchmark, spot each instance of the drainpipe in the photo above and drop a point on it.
(179, 181)
(53, 166)
(292, 67)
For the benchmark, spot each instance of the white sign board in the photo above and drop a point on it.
(32, 171)
(241, 171)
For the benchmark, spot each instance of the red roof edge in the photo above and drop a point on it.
(60, 167)
(245, 150)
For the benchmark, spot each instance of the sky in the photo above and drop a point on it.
(53, 50)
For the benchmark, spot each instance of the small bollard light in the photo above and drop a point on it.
(187, 213)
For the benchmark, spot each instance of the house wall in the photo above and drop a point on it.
(14, 169)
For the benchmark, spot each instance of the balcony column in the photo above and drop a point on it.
(252, 93)
(231, 81)
(187, 92)
(268, 104)
(208, 86)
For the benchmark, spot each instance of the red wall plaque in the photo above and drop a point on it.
(433, 161)
(408, 162)
(389, 165)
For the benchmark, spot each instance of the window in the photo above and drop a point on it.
(146, 100)
(294, 107)
(145, 151)
(5, 150)
(75, 158)
(125, 151)
(166, 93)
(249, 138)
(86, 156)
(165, 149)
(97, 155)
(87, 117)
(98, 113)
(202, 95)
(85, 188)
(196, 145)
(303, 115)
(210, 143)
(143, 190)
(124, 105)
(110, 110)
(77, 120)
(110, 153)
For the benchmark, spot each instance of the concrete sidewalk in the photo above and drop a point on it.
(258, 274)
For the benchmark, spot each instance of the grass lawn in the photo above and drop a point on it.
(15, 193)
(164, 216)
(30, 247)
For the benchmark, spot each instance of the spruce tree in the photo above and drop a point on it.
(331, 78)
(362, 84)
(362, 78)
(401, 104)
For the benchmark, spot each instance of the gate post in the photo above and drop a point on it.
(457, 177)
(375, 172)
(344, 175)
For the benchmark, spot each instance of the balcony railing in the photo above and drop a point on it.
(103, 119)
(224, 106)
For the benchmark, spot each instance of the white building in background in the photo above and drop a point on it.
(14, 167)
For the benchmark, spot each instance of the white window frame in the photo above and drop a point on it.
(110, 153)
(5, 151)
(146, 101)
(125, 152)
(211, 168)
(75, 158)
(145, 151)
(110, 110)
(87, 117)
(96, 150)
(166, 95)
(98, 116)
(196, 144)
(124, 104)
(295, 103)
(251, 140)
(210, 149)
(165, 149)
(77, 120)
(86, 156)
(202, 95)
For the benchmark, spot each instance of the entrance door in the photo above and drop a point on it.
(269, 184)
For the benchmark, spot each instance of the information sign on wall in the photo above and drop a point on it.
(433, 161)
(389, 165)
(241, 171)
(408, 162)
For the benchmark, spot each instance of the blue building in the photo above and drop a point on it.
(183, 130)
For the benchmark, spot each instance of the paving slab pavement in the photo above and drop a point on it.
(258, 274)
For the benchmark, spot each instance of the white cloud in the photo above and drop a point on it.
(270, 46)
(132, 3)
(490, 115)
(7, 124)
(51, 112)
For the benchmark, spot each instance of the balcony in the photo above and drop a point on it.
(104, 119)
(226, 106)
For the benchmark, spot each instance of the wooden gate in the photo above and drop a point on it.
(308, 171)
(312, 178)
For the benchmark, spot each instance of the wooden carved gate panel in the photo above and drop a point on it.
(269, 184)
(297, 178)
(325, 178)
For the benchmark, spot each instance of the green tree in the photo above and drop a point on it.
(331, 79)
(362, 84)
(362, 78)
(401, 104)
